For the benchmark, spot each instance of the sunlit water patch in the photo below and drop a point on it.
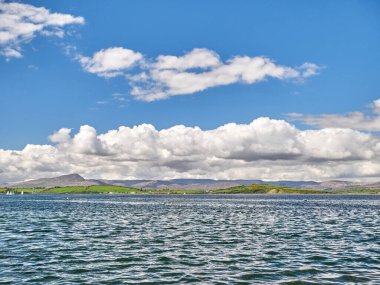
(199, 239)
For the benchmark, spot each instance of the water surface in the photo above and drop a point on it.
(196, 239)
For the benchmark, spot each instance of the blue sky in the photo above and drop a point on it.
(342, 36)
(47, 85)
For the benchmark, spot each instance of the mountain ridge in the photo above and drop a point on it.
(75, 179)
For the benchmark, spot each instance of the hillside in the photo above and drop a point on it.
(266, 189)
(191, 184)
(60, 181)
(248, 189)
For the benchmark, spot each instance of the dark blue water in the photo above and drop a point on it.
(167, 239)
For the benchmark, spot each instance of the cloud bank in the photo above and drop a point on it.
(354, 120)
(263, 149)
(20, 23)
(195, 71)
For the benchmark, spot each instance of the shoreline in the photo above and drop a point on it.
(255, 189)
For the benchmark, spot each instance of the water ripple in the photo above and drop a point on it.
(198, 239)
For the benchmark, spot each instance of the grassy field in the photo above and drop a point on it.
(250, 189)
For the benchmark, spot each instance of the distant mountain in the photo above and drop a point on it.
(340, 185)
(60, 181)
(181, 184)
(210, 184)
(187, 184)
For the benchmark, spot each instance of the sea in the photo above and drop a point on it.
(189, 239)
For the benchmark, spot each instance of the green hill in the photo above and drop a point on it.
(266, 189)
(249, 189)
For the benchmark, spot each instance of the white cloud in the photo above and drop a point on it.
(11, 52)
(375, 105)
(61, 137)
(20, 23)
(263, 149)
(165, 82)
(309, 69)
(197, 58)
(195, 71)
(110, 62)
(354, 120)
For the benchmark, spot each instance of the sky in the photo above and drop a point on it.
(273, 90)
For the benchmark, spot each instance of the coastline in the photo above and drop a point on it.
(251, 190)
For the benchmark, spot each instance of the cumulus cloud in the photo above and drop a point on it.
(110, 62)
(197, 58)
(263, 149)
(20, 23)
(195, 71)
(355, 120)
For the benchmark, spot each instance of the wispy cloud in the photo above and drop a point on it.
(121, 97)
(364, 121)
(167, 75)
(32, 67)
(20, 23)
